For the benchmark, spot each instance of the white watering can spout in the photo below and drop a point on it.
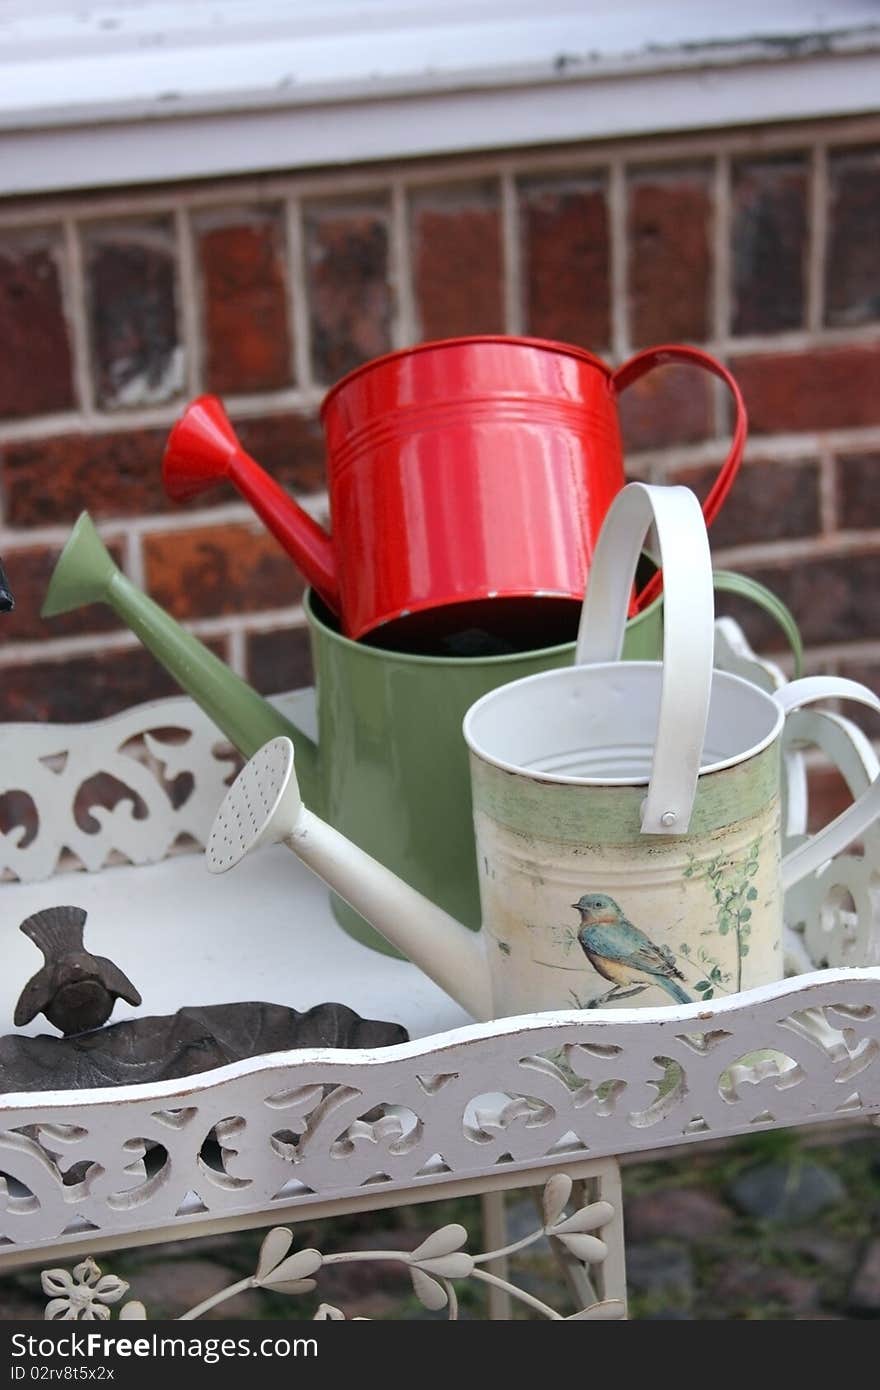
(263, 807)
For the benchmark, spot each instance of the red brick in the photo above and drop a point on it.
(828, 795)
(670, 406)
(852, 268)
(831, 597)
(85, 687)
(30, 570)
(769, 244)
(768, 502)
(836, 388)
(858, 491)
(457, 263)
(279, 660)
(130, 273)
(566, 261)
(213, 570)
(670, 263)
(244, 287)
(50, 481)
(35, 366)
(349, 290)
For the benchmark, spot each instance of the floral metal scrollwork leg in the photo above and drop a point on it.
(435, 1267)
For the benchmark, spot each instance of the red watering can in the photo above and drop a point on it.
(461, 473)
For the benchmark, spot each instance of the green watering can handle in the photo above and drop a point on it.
(730, 583)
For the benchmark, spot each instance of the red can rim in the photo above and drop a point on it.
(546, 344)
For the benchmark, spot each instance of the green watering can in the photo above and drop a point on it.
(390, 770)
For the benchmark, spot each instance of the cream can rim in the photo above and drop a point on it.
(561, 779)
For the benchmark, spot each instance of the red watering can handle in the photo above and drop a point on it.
(639, 366)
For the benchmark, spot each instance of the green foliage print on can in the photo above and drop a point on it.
(733, 894)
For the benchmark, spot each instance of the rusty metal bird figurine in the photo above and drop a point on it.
(75, 990)
(7, 602)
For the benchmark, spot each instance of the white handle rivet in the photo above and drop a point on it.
(668, 818)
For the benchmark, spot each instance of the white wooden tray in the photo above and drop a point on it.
(269, 1135)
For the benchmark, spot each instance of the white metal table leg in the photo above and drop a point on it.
(495, 1238)
(610, 1276)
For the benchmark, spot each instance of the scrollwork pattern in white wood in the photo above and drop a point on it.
(164, 764)
(837, 910)
(289, 1130)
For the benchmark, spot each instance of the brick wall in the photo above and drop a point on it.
(762, 246)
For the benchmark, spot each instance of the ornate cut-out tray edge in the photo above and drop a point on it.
(293, 1129)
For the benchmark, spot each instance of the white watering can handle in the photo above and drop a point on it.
(856, 819)
(688, 633)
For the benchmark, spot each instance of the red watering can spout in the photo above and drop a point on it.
(203, 449)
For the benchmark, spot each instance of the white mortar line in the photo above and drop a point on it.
(818, 237)
(721, 237)
(799, 340)
(23, 538)
(133, 559)
(513, 287)
(404, 327)
(846, 651)
(227, 626)
(227, 623)
(572, 158)
(827, 660)
(60, 648)
(619, 251)
(188, 281)
(54, 537)
(235, 513)
(236, 655)
(722, 288)
(267, 402)
(153, 417)
(859, 335)
(272, 620)
(297, 295)
(775, 447)
(42, 426)
(827, 489)
(75, 306)
(806, 548)
(840, 441)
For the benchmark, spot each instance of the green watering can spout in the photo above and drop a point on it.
(83, 574)
(87, 573)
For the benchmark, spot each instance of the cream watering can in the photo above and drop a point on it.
(626, 813)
